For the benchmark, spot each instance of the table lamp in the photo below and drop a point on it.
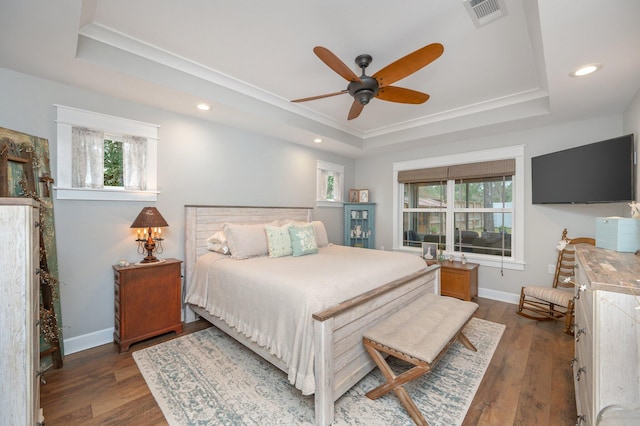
(150, 222)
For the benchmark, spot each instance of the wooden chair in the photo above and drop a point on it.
(553, 303)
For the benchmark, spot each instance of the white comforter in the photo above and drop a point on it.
(271, 300)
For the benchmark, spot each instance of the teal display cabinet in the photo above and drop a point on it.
(359, 225)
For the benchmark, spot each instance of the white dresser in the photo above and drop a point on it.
(606, 366)
(19, 313)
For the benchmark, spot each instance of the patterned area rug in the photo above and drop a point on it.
(207, 378)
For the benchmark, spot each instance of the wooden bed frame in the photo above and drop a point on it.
(340, 357)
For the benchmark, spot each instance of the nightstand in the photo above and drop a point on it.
(458, 280)
(147, 301)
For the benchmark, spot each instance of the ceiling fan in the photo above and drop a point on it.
(365, 87)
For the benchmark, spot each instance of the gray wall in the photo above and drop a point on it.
(204, 163)
(198, 163)
(543, 223)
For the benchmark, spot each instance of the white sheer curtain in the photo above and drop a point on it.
(337, 186)
(322, 185)
(134, 156)
(87, 169)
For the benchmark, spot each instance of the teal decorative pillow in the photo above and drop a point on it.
(303, 240)
(278, 241)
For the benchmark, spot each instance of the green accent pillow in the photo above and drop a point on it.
(278, 241)
(303, 240)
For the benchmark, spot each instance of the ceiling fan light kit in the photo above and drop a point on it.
(365, 88)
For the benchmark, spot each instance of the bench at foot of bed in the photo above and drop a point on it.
(419, 334)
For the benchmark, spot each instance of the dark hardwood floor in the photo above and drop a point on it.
(528, 382)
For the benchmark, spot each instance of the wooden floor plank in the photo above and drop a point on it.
(529, 375)
(534, 404)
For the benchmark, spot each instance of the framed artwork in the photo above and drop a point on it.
(363, 196)
(353, 196)
(430, 251)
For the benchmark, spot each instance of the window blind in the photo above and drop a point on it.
(432, 174)
(484, 169)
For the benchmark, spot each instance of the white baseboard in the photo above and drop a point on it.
(101, 337)
(88, 341)
(501, 296)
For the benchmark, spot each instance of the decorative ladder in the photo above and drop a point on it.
(9, 152)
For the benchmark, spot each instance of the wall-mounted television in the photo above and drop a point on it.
(601, 172)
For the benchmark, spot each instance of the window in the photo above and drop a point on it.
(102, 157)
(463, 205)
(330, 183)
(113, 168)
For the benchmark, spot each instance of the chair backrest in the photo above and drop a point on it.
(567, 260)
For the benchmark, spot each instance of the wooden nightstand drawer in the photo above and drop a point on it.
(147, 301)
(458, 280)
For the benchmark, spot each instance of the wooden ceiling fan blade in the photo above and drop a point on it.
(313, 98)
(356, 109)
(402, 95)
(335, 63)
(408, 64)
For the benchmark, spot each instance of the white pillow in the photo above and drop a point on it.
(322, 240)
(218, 243)
(278, 240)
(246, 241)
(218, 248)
(217, 238)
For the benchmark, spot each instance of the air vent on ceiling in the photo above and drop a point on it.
(484, 11)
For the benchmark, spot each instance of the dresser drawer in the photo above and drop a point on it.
(116, 327)
(582, 318)
(583, 382)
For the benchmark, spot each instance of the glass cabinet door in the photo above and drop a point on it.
(359, 225)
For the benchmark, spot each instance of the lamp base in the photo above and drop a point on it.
(149, 246)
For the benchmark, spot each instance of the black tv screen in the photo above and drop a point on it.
(601, 172)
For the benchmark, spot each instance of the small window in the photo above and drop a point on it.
(102, 157)
(330, 184)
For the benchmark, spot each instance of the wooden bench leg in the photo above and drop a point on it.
(394, 383)
(466, 342)
(410, 406)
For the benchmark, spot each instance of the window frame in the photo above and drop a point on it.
(333, 167)
(516, 261)
(67, 118)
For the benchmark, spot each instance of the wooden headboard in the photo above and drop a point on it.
(203, 221)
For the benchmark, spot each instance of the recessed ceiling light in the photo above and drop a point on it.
(586, 70)
(317, 140)
(204, 107)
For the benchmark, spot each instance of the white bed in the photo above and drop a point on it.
(317, 342)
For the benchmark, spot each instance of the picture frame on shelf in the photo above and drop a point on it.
(430, 251)
(354, 196)
(363, 195)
